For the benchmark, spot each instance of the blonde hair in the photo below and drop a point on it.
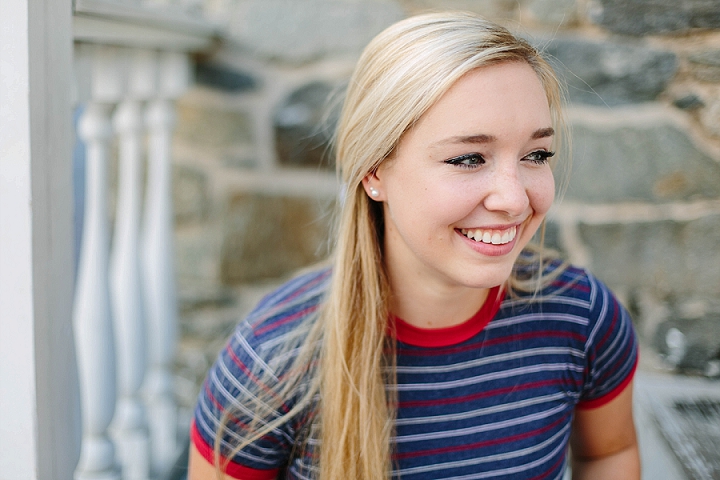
(400, 75)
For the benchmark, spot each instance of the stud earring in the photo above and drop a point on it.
(374, 193)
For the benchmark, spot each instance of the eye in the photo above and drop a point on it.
(469, 160)
(540, 157)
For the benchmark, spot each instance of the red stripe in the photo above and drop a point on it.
(611, 328)
(572, 285)
(308, 285)
(485, 394)
(297, 292)
(231, 469)
(608, 397)
(232, 418)
(284, 320)
(554, 466)
(484, 443)
(252, 377)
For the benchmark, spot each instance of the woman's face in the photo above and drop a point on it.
(470, 183)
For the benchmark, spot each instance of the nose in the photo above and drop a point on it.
(507, 192)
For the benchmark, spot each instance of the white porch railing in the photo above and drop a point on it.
(131, 62)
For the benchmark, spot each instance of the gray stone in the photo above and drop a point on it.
(641, 17)
(639, 163)
(197, 256)
(611, 73)
(304, 123)
(190, 197)
(705, 66)
(689, 344)
(710, 117)
(678, 258)
(269, 236)
(688, 102)
(223, 77)
(297, 31)
(553, 12)
(212, 127)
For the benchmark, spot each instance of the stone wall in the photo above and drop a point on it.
(254, 187)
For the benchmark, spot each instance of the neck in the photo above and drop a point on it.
(435, 306)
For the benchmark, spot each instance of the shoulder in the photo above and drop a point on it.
(287, 307)
(571, 292)
(558, 280)
(240, 392)
(265, 343)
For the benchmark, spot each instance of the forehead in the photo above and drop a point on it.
(499, 101)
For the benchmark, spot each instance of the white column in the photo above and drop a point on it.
(130, 428)
(92, 314)
(158, 261)
(130, 424)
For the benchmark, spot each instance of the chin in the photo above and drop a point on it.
(489, 278)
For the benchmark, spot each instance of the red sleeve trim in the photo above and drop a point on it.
(612, 394)
(234, 470)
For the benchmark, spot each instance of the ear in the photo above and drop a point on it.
(373, 187)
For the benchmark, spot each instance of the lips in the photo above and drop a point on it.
(490, 236)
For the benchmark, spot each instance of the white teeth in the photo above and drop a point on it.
(495, 237)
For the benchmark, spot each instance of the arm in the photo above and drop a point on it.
(603, 442)
(201, 469)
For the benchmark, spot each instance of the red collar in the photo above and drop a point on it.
(445, 337)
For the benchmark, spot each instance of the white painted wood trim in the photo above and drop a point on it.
(165, 16)
(92, 29)
(165, 27)
(39, 406)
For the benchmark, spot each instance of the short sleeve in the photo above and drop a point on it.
(224, 405)
(611, 349)
(253, 364)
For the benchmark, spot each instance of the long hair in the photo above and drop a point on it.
(399, 76)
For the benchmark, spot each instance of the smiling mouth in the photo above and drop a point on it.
(493, 237)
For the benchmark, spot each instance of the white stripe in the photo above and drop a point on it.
(481, 411)
(240, 339)
(419, 437)
(497, 457)
(237, 439)
(503, 357)
(537, 317)
(486, 377)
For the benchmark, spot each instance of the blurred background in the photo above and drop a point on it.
(253, 185)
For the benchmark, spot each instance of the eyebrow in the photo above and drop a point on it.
(482, 138)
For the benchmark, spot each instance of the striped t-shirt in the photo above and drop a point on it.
(491, 398)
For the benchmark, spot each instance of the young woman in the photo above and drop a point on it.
(440, 344)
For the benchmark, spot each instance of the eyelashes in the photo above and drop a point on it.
(469, 160)
(474, 160)
(539, 156)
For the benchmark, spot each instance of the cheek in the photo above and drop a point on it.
(542, 193)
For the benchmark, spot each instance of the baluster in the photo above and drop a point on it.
(158, 261)
(160, 286)
(92, 316)
(129, 425)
